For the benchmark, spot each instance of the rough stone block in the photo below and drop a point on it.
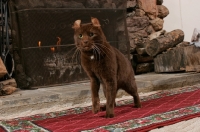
(157, 24)
(162, 11)
(150, 7)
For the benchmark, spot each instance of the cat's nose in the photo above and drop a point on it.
(85, 41)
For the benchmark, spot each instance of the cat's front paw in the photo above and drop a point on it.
(138, 105)
(95, 109)
(103, 108)
(109, 115)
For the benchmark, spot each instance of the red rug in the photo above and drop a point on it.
(160, 109)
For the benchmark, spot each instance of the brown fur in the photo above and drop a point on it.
(103, 64)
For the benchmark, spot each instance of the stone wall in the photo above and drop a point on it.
(144, 22)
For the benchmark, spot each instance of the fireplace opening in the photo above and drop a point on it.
(6, 41)
(43, 38)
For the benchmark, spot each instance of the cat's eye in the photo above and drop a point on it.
(80, 36)
(91, 34)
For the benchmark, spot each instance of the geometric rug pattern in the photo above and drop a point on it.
(160, 109)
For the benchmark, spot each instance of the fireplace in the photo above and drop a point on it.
(43, 45)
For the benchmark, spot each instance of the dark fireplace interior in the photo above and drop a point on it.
(42, 37)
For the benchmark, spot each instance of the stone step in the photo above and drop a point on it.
(43, 100)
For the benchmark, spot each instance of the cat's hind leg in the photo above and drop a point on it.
(131, 88)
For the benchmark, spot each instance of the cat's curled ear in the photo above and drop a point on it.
(95, 22)
(77, 24)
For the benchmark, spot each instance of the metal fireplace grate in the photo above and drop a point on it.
(44, 38)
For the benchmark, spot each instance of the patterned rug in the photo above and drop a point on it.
(160, 109)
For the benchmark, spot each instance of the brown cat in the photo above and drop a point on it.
(103, 64)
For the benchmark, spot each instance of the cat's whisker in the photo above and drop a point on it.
(75, 57)
(103, 52)
(96, 48)
(98, 51)
(75, 53)
(71, 51)
(95, 52)
(99, 55)
(79, 54)
(103, 46)
(97, 45)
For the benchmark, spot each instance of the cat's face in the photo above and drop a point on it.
(88, 36)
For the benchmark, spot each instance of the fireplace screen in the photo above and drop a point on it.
(43, 36)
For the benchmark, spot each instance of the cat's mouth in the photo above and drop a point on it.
(87, 48)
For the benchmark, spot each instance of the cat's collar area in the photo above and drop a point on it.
(92, 57)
